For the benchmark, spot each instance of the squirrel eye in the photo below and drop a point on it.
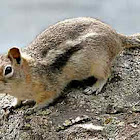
(8, 72)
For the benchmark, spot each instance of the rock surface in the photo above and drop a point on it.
(114, 114)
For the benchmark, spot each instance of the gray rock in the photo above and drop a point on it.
(114, 114)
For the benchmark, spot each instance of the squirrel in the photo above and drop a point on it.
(73, 49)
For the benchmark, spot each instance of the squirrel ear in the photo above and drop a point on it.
(14, 54)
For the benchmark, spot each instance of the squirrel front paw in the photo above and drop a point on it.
(32, 110)
(36, 108)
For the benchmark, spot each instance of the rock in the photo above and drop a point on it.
(113, 114)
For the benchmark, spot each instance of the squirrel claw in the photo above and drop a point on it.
(89, 91)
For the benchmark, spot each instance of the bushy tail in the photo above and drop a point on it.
(130, 41)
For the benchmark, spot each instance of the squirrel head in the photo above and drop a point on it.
(12, 69)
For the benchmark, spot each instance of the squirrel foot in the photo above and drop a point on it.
(34, 109)
(96, 88)
(16, 104)
(91, 90)
(28, 102)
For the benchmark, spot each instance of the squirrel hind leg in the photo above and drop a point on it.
(96, 88)
(101, 74)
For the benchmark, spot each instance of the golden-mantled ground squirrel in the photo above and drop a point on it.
(73, 49)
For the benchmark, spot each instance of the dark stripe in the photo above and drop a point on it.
(62, 59)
